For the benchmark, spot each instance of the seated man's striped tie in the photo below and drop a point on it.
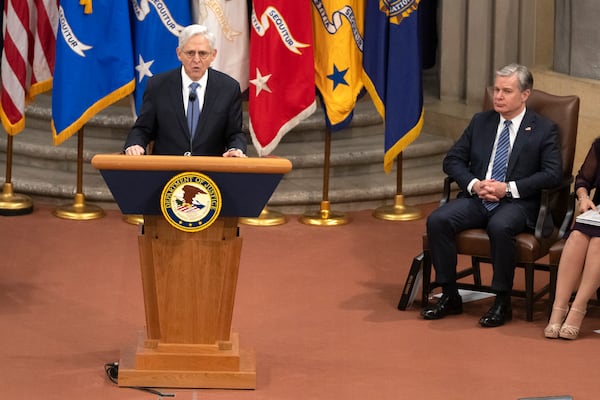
(500, 161)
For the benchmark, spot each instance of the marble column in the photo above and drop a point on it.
(577, 38)
(479, 36)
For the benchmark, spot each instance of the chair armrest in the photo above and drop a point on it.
(548, 197)
(447, 190)
(569, 216)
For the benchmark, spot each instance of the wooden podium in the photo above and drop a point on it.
(189, 278)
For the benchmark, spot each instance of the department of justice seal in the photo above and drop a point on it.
(191, 201)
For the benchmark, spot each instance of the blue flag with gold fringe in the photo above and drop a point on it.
(94, 63)
(392, 71)
(156, 26)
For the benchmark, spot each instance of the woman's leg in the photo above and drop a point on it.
(590, 280)
(570, 270)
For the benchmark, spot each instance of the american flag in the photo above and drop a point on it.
(29, 35)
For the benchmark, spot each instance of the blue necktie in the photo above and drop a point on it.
(500, 161)
(193, 109)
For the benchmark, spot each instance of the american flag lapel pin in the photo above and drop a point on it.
(528, 129)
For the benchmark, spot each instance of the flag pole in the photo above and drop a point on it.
(325, 217)
(11, 203)
(398, 211)
(79, 210)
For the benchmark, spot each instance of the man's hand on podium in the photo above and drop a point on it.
(234, 153)
(135, 150)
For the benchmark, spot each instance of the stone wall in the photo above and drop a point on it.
(577, 38)
(589, 92)
(557, 39)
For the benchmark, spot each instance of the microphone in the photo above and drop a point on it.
(192, 97)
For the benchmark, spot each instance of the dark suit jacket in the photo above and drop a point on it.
(535, 162)
(162, 117)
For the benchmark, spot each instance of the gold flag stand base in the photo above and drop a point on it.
(134, 219)
(398, 211)
(79, 210)
(266, 218)
(324, 217)
(14, 204)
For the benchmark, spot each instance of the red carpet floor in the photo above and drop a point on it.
(317, 304)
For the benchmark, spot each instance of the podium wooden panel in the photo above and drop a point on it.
(189, 279)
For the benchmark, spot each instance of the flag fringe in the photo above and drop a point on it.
(288, 126)
(400, 145)
(16, 127)
(40, 87)
(370, 87)
(11, 128)
(98, 106)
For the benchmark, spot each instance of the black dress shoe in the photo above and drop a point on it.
(497, 315)
(446, 305)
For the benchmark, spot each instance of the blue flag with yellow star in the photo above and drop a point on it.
(338, 47)
(93, 63)
(156, 26)
(392, 71)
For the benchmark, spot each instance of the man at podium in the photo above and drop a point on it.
(192, 109)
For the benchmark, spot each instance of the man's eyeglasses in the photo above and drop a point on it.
(202, 54)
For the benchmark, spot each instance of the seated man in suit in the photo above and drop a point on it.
(193, 109)
(502, 161)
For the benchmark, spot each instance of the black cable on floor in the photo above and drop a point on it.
(112, 372)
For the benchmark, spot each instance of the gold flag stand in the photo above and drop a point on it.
(79, 210)
(10, 202)
(325, 217)
(134, 219)
(398, 211)
(266, 218)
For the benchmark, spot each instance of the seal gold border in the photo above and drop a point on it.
(181, 217)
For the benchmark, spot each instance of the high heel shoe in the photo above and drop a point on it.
(571, 331)
(552, 330)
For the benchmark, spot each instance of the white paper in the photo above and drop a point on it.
(470, 295)
(590, 217)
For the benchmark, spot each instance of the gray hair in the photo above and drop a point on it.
(523, 75)
(193, 30)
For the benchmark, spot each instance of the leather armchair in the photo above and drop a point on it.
(531, 246)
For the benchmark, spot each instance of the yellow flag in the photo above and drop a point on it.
(338, 46)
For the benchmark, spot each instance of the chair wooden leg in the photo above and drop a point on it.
(529, 272)
(425, 289)
(475, 264)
